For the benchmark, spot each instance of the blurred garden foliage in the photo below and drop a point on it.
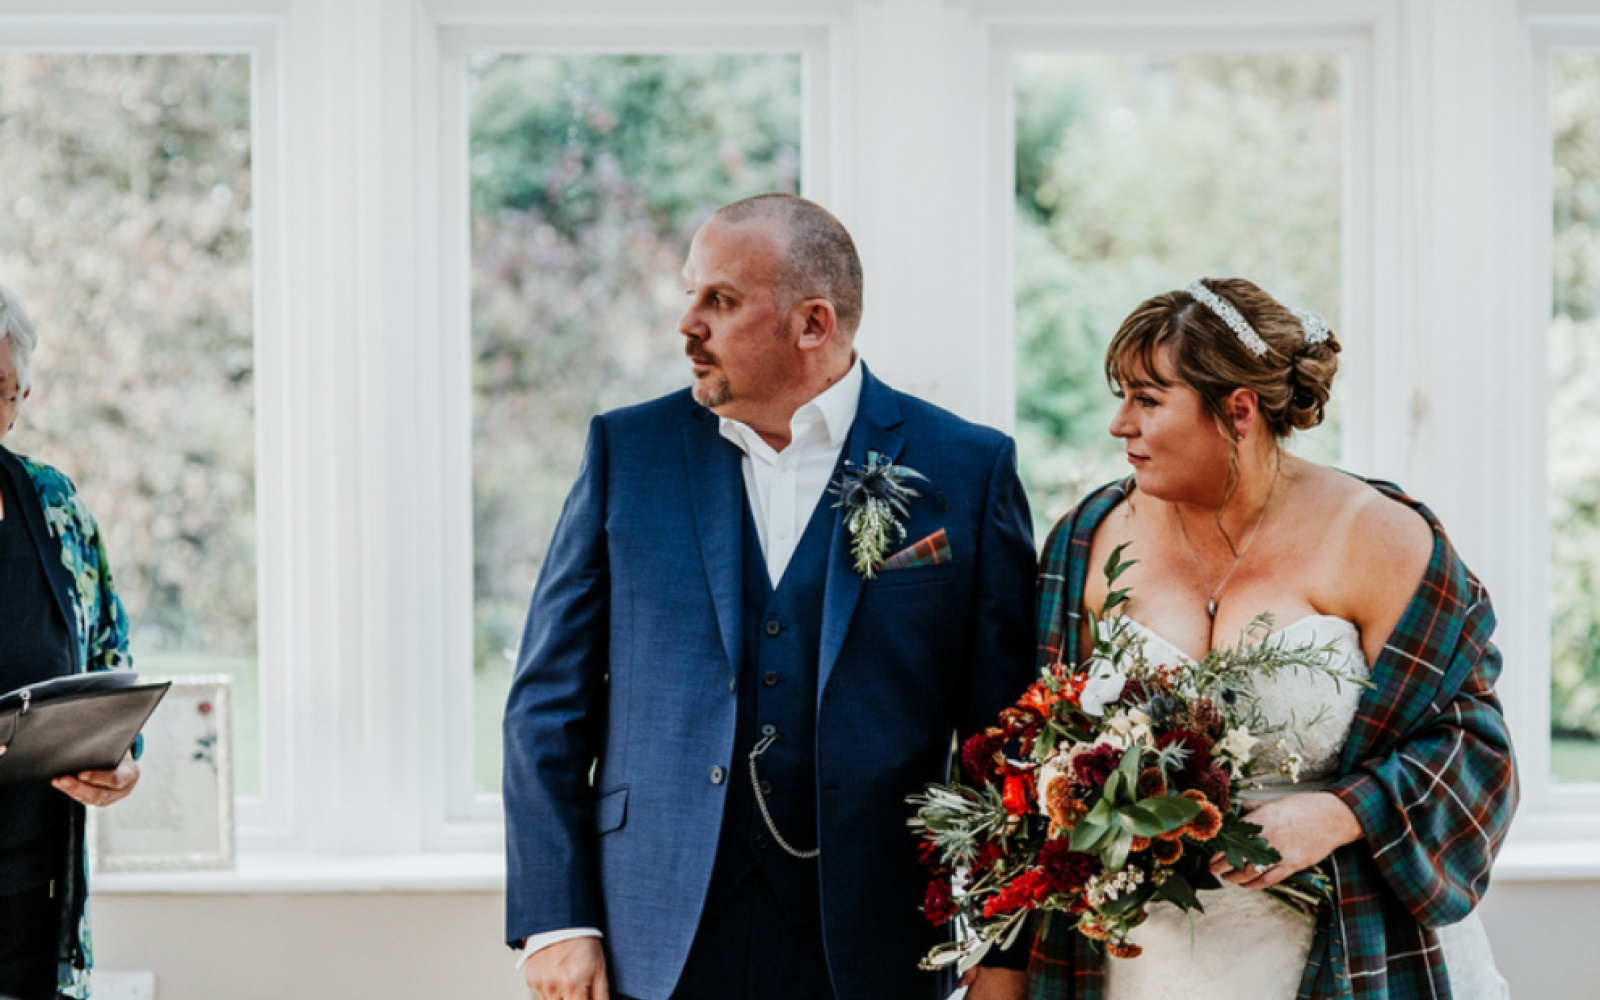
(590, 175)
(1574, 451)
(125, 230)
(1137, 174)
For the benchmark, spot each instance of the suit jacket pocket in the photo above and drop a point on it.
(611, 811)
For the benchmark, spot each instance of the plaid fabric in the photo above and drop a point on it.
(931, 551)
(1427, 770)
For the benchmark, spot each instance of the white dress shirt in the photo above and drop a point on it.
(784, 488)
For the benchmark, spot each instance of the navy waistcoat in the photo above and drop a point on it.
(777, 695)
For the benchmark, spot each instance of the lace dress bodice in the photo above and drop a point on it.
(1246, 945)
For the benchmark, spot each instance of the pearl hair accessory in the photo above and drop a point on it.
(1232, 317)
(1315, 326)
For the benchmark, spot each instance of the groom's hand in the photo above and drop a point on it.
(987, 983)
(568, 970)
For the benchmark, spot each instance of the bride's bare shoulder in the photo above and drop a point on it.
(1382, 551)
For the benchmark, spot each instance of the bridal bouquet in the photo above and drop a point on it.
(1107, 787)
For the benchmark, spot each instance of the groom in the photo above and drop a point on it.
(717, 711)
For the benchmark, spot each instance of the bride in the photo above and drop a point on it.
(1401, 786)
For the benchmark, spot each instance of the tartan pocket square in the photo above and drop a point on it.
(931, 551)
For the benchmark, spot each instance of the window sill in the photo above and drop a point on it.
(274, 874)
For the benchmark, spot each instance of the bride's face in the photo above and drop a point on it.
(1177, 451)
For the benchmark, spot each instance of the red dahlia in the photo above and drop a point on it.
(1092, 767)
(978, 755)
(1067, 869)
(937, 905)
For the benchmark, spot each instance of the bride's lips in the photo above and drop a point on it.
(1137, 459)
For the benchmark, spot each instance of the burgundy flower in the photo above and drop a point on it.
(978, 755)
(937, 905)
(988, 854)
(1214, 783)
(1067, 869)
(1092, 767)
(1199, 758)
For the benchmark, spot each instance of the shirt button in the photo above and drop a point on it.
(766, 787)
(773, 628)
(761, 840)
(717, 775)
(733, 684)
(769, 730)
(770, 679)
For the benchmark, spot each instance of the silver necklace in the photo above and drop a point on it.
(1194, 556)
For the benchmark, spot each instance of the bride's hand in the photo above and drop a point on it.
(1304, 828)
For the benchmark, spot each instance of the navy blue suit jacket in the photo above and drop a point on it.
(627, 663)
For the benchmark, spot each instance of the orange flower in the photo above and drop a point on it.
(1206, 825)
(1063, 809)
(1092, 930)
(1139, 844)
(1123, 949)
(1018, 794)
(1168, 851)
(1038, 698)
(1151, 783)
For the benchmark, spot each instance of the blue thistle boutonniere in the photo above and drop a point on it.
(875, 497)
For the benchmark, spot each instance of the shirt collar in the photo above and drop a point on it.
(835, 407)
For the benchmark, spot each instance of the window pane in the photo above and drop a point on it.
(1575, 420)
(1137, 174)
(126, 232)
(590, 175)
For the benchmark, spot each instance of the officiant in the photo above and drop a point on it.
(59, 615)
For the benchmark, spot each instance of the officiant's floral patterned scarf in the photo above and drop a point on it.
(1433, 695)
(100, 629)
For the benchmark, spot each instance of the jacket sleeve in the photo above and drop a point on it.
(1436, 804)
(554, 718)
(1001, 663)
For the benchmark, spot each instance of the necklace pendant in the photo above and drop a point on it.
(1211, 607)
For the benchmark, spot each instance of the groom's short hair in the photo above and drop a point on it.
(820, 257)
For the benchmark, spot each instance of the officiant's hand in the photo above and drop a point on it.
(1305, 828)
(101, 788)
(568, 970)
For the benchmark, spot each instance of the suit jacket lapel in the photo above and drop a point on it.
(875, 429)
(716, 487)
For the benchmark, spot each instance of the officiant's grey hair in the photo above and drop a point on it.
(821, 257)
(17, 328)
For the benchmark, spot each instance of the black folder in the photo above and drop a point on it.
(84, 722)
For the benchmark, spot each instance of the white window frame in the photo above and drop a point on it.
(473, 818)
(363, 418)
(250, 32)
(1560, 824)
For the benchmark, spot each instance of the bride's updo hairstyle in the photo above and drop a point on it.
(1287, 359)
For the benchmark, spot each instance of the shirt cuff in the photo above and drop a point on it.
(539, 942)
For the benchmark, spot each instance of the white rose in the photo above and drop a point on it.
(1103, 687)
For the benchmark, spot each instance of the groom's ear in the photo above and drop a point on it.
(818, 323)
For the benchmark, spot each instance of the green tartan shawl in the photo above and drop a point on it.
(1427, 769)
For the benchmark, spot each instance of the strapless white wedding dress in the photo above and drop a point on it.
(1247, 946)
